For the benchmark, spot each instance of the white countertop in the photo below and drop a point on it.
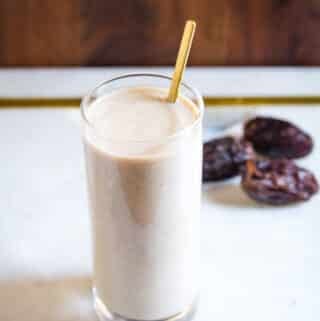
(259, 263)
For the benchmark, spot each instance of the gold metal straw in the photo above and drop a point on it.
(182, 59)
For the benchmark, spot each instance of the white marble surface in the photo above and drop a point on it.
(259, 263)
(70, 82)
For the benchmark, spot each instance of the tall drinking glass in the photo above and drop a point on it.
(144, 198)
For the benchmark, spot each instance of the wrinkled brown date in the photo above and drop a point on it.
(278, 182)
(223, 157)
(277, 138)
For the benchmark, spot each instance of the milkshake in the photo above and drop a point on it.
(143, 158)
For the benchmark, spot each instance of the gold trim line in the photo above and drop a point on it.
(210, 101)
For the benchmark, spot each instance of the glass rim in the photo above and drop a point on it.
(178, 133)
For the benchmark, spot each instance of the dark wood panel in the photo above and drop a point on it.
(147, 32)
(35, 32)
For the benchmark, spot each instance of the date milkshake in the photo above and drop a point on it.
(143, 158)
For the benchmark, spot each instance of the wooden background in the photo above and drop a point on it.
(147, 32)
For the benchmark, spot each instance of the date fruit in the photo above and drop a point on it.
(278, 182)
(276, 138)
(223, 158)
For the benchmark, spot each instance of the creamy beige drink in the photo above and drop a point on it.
(144, 172)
